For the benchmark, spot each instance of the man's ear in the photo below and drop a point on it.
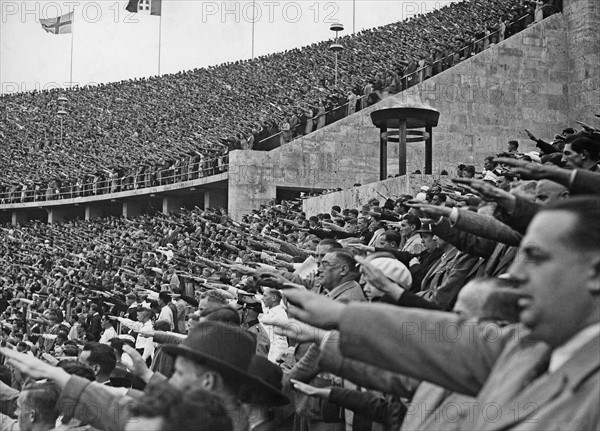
(593, 283)
(209, 381)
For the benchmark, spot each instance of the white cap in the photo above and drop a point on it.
(394, 270)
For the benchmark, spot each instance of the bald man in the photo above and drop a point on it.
(547, 191)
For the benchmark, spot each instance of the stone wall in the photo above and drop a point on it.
(356, 196)
(583, 24)
(484, 102)
(490, 99)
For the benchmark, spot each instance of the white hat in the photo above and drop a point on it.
(490, 176)
(534, 156)
(394, 270)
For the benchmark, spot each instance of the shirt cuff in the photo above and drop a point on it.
(453, 216)
(572, 178)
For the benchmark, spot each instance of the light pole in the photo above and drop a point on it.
(62, 113)
(336, 47)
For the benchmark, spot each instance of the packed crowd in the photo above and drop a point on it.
(413, 312)
(131, 133)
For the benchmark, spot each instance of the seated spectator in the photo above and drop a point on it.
(101, 358)
(37, 405)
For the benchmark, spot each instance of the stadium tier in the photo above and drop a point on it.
(464, 300)
(143, 132)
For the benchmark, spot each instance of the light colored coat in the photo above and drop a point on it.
(497, 367)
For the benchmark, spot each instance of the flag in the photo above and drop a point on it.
(60, 25)
(152, 6)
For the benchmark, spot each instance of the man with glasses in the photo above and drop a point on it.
(337, 275)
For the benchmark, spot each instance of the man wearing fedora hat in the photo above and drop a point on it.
(268, 408)
(217, 356)
(214, 357)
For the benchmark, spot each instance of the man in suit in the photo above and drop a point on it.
(337, 274)
(101, 358)
(411, 240)
(543, 373)
(376, 227)
(93, 321)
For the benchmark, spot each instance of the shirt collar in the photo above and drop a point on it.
(565, 352)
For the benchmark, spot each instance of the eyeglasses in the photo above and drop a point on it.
(325, 264)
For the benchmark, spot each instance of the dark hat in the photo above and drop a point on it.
(265, 381)
(426, 227)
(224, 348)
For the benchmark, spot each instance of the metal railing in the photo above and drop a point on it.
(97, 185)
(409, 80)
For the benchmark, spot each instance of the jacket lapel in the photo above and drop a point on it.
(546, 388)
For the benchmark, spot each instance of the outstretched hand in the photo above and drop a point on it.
(431, 211)
(137, 366)
(270, 278)
(311, 390)
(488, 192)
(314, 309)
(297, 331)
(535, 171)
(242, 269)
(34, 367)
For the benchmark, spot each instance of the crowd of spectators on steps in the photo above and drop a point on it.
(130, 133)
(403, 313)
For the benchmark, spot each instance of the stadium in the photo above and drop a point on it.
(249, 235)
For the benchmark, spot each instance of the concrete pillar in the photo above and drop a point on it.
(171, 205)
(56, 215)
(93, 211)
(18, 217)
(583, 45)
(429, 151)
(383, 150)
(215, 199)
(402, 147)
(131, 209)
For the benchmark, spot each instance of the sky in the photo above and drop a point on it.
(110, 44)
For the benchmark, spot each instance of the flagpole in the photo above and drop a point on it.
(72, 37)
(159, 39)
(253, 21)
